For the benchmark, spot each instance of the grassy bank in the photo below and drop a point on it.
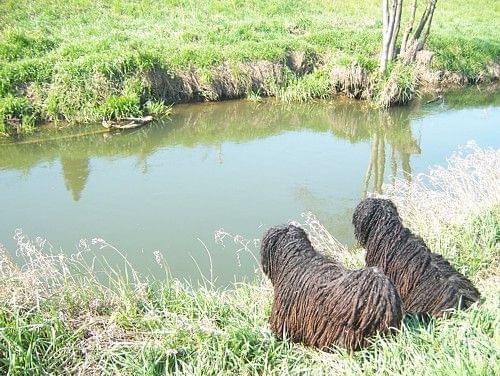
(76, 315)
(81, 60)
(163, 327)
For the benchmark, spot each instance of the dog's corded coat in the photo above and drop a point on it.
(317, 301)
(426, 282)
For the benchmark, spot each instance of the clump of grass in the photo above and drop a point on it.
(397, 86)
(17, 44)
(448, 195)
(16, 115)
(326, 243)
(315, 85)
(157, 109)
(117, 106)
(254, 96)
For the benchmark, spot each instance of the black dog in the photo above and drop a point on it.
(426, 282)
(317, 301)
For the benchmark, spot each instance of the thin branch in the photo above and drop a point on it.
(409, 27)
(427, 30)
(423, 21)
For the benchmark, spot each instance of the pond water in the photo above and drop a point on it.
(239, 165)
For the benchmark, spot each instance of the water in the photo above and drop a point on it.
(239, 165)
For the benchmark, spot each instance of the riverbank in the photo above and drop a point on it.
(63, 315)
(81, 61)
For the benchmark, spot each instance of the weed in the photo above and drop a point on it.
(116, 107)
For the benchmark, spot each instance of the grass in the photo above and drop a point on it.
(70, 58)
(397, 87)
(80, 315)
(302, 89)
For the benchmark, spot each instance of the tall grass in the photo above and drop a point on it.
(448, 197)
(82, 315)
(302, 89)
(397, 87)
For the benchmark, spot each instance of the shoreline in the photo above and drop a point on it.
(301, 78)
(174, 327)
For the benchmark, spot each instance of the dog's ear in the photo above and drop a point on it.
(269, 246)
(362, 218)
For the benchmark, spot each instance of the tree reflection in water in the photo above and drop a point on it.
(213, 125)
(390, 136)
(76, 172)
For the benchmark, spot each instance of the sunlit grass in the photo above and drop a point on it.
(69, 57)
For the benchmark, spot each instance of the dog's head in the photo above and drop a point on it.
(372, 214)
(277, 243)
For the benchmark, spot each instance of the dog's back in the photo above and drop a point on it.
(426, 282)
(319, 303)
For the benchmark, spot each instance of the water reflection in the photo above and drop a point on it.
(383, 146)
(238, 165)
(213, 125)
(76, 172)
(391, 139)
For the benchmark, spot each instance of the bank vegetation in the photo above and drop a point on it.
(81, 60)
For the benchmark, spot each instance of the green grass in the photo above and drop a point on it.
(302, 89)
(137, 327)
(69, 57)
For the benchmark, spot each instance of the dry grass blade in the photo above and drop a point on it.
(468, 185)
(324, 242)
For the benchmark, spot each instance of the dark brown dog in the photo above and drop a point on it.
(317, 301)
(426, 282)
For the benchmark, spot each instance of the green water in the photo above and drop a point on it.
(239, 165)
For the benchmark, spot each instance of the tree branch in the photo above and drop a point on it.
(428, 28)
(423, 21)
(409, 27)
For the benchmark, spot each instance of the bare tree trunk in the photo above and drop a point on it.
(411, 44)
(385, 30)
(409, 27)
(391, 23)
(395, 29)
(416, 42)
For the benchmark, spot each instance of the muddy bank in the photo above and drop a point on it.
(298, 77)
(267, 78)
(228, 80)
